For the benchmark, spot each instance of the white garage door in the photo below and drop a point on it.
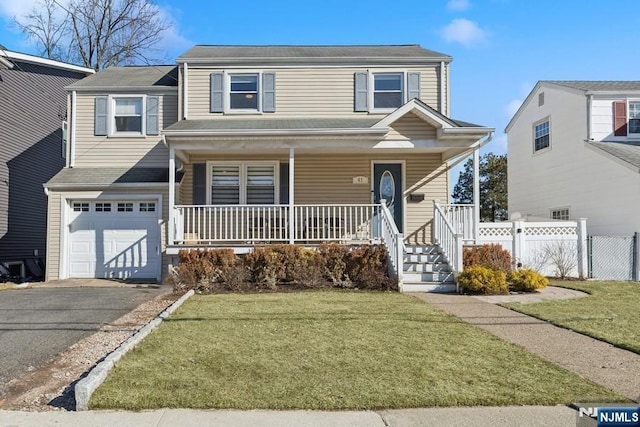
(114, 239)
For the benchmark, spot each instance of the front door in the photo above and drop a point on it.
(387, 185)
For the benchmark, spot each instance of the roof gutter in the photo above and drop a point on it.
(276, 132)
(475, 146)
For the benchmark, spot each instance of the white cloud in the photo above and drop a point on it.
(465, 32)
(458, 5)
(18, 8)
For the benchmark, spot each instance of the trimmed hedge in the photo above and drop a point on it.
(283, 266)
(492, 256)
(527, 280)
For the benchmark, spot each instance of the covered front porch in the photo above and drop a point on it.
(309, 181)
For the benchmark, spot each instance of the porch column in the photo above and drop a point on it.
(476, 194)
(292, 217)
(172, 196)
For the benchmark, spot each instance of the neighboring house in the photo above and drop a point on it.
(244, 145)
(33, 106)
(574, 152)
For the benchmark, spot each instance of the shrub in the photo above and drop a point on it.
(333, 258)
(307, 269)
(367, 267)
(201, 269)
(265, 267)
(492, 256)
(482, 280)
(527, 280)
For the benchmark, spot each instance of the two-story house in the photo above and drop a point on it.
(574, 152)
(33, 105)
(244, 145)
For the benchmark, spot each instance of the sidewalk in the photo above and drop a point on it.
(533, 416)
(602, 363)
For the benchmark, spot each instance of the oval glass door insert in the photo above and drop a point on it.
(387, 187)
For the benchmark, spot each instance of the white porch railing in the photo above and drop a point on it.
(447, 237)
(211, 224)
(460, 216)
(394, 242)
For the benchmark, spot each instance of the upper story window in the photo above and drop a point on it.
(560, 214)
(127, 115)
(385, 90)
(388, 90)
(634, 117)
(243, 92)
(243, 183)
(541, 136)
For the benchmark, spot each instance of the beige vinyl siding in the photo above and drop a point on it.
(93, 150)
(53, 236)
(321, 179)
(410, 127)
(308, 92)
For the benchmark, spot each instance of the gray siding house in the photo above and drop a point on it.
(33, 107)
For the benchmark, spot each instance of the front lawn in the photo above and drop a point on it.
(330, 350)
(611, 313)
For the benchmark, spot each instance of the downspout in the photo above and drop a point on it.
(185, 92)
(72, 136)
(442, 88)
(589, 121)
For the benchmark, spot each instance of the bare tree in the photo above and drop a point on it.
(46, 25)
(99, 33)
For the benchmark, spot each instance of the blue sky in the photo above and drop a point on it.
(500, 47)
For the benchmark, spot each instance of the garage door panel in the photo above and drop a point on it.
(114, 244)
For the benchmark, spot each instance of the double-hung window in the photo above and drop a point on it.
(541, 136)
(388, 90)
(243, 92)
(634, 117)
(243, 183)
(127, 115)
(560, 214)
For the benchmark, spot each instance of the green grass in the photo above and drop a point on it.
(330, 350)
(610, 313)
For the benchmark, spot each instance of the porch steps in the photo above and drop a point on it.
(425, 270)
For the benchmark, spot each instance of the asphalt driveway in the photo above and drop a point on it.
(37, 324)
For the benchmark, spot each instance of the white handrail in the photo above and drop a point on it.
(393, 240)
(449, 240)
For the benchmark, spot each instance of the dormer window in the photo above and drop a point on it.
(243, 92)
(388, 90)
(128, 115)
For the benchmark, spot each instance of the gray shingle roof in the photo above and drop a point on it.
(325, 53)
(123, 77)
(270, 124)
(594, 86)
(626, 151)
(108, 176)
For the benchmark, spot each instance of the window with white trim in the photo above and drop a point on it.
(560, 214)
(81, 206)
(243, 183)
(388, 90)
(103, 207)
(243, 92)
(127, 115)
(147, 207)
(125, 207)
(634, 117)
(541, 136)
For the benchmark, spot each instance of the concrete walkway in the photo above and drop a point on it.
(533, 416)
(602, 363)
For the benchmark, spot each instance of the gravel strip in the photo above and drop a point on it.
(52, 386)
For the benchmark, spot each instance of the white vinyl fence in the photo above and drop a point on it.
(557, 248)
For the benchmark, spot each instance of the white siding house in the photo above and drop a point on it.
(574, 152)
